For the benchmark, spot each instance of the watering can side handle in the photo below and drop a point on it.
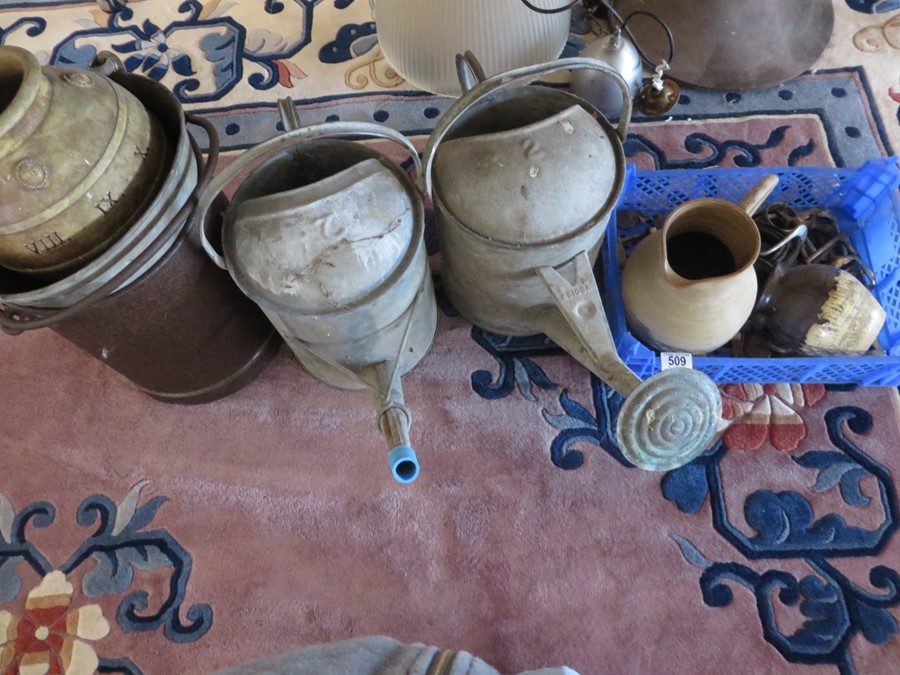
(108, 64)
(283, 142)
(287, 111)
(469, 71)
(507, 80)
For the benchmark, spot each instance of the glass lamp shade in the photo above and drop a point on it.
(421, 38)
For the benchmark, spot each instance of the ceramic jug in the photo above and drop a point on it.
(420, 38)
(524, 180)
(326, 236)
(691, 286)
(83, 157)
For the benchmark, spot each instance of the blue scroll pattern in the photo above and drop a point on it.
(834, 609)
(708, 152)
(31, 26)
(119, 546)
(204, 54)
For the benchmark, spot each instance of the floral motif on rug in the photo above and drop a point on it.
(833, 609)
(767, 412)
(57, 629)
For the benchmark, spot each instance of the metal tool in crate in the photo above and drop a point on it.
(524, 180)
(868, 209)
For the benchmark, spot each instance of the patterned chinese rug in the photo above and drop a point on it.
(144, 537)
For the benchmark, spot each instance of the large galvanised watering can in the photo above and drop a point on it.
(524, 180)
(326, 236)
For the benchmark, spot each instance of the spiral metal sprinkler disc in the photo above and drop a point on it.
(670, 419)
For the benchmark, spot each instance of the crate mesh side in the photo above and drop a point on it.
(799, 370)
(656, 193)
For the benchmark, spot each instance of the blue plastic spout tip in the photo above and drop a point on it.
(404, 464)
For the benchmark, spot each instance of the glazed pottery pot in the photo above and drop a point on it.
(84, 158)
(690, 286)
(420, 38)
(820, 310)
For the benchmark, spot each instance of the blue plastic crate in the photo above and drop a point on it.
(868, 209)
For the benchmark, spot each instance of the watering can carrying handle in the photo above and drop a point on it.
(15, 319)
(287, 141)
(468, 69)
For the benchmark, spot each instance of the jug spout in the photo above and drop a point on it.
(580, 327)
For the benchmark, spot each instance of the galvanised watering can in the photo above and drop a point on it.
(326, 236)
(524, 180)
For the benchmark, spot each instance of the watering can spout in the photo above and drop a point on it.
(393, 420)
(577, 323)
(664, 421)
(403, 463)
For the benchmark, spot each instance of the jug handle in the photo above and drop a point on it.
(287, 141)
(759, 193)
(508, 80)
(582, 309)
(15, 319)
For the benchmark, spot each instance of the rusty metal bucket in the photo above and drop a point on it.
(153, 307)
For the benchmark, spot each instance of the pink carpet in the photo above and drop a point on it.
(281, 499)
(266, 521)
